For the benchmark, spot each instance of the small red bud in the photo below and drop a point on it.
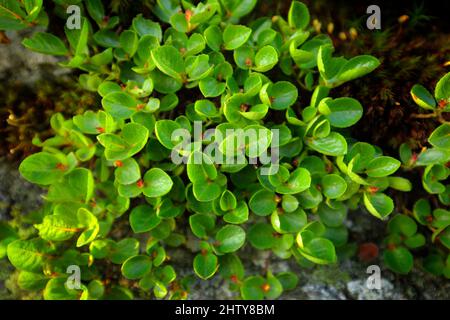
(265, 287)
(140, 184)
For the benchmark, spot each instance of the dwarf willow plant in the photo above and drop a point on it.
(429, 212)
(116, 200)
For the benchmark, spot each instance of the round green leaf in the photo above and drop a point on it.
(288, 222)
(230, 238)
(399, 260)
(128, 172)
(164, 130)
(378, 204)
(357, 67)
(156, 183)
(213, 37)
(263, 202)
(235, 36)
(298, 15)
(332, 216)
(332, 145)
(201, 224)
(265, 59)
(442, 90)
(342, 112)
(280, 95)
(299, 180)
(136, 267)
(319, 250)
(440, 137)
(333, 186)
(382, 166)
(120, 105)
(46, 43)
(251, 289)
(261, 236)
(423, 97)
(43, 168)
(205, 265)
(205, 191)
(169, 61)
(143, 218)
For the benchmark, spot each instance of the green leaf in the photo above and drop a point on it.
(399, 260)
(43, 168)
(210, 87)
(333, 186)
(265, 59)
(133, 138)
(235, 36)
(213, 37)
(298, 16)
(57, 289)
(179, 22)
(288, 222)
(442, 90)
(147, 27)
(201, 224)
(263, 202)
(136, 267)
(261, 236)
(206, 108)
(206, 190)
(96, 10)
(76, 186)
(205, 265)
(280, 95)
(318, 250)
(123, 250)
(382, 166)
(120, 105)
(107, 38)
(378, 204)
(58, 227)
(423, 97)
(156, 183)
(341, 112)
(399, 183)
(31, 281)
(332, 215)
(251, 289)
(164, 130)
(128, 172)
(288, 280)
(298, 181)
(143, 218)
(238, 215)
(129, 42)
(230, 238)
(332, 145)
(402, 224)
(357, 67)
(227, 201)
(169, 61)
(46, 43)
(440, 137)
(28, 255)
